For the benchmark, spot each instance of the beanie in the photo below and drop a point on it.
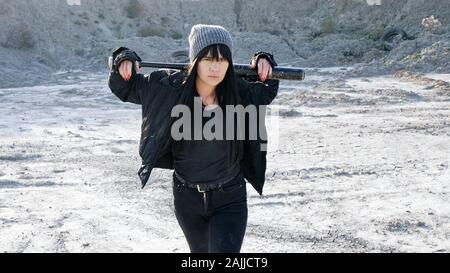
(202, 36)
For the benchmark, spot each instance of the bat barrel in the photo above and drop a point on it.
(242, 70)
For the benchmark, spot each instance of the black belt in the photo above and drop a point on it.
(203, 187)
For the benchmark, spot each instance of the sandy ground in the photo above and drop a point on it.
(356, 165)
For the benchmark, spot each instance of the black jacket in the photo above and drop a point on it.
(158, 93)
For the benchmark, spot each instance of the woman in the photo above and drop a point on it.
(209, 186)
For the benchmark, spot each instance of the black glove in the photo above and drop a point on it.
(121, 54)
(269, 57)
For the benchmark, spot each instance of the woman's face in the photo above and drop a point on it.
(211, 72)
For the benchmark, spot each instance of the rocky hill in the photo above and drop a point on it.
(45, 36)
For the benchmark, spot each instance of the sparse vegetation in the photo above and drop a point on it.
(117, 29)
(20, 37)
(135, 9)
(79, 52)
(315, 34)
(151, 30)
(275, 31)
(377, 33)
(78, 22)
(328, 26)
(84, 15)
(381, 46)
(350, 54)
(177, 35)
(165, 20)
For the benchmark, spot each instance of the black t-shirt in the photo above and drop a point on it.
(203, 161)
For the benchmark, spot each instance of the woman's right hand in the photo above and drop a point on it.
(125, 69)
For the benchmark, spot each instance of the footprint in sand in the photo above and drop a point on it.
(116, 150)
(18, 157)
(70, 133)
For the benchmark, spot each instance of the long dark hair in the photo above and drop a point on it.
(226, 91)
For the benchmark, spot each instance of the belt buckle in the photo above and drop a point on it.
(199, 190)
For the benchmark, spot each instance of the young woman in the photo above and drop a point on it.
(209, 179)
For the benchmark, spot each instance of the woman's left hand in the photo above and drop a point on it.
(264, 69)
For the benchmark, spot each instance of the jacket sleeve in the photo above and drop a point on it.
(258, 93)
(133, 90)
(137, 87)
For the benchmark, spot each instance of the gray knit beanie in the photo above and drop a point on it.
(204, 35)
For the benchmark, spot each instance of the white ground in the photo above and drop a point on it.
(358, 165)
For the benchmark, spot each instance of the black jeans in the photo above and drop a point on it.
(213, 221)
